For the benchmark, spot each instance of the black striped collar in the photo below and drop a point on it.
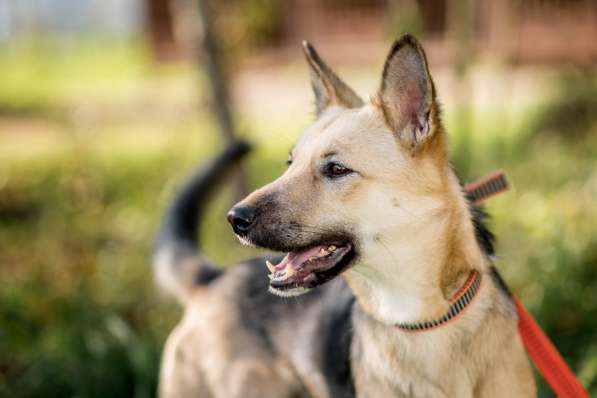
(461, 300)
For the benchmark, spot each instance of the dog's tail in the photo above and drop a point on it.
(179, 268)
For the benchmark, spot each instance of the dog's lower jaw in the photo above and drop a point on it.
(244, 241)
(294, 292)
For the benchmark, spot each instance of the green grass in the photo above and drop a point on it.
(81, 198)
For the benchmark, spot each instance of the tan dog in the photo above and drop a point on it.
(369, 194)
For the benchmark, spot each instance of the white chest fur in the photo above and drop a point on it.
(444, 362)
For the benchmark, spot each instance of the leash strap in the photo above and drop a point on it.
(479, 191)
(545, 355)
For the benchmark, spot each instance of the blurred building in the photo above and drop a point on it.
(517, 31)
(70, 18)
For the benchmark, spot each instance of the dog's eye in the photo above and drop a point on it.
(335, 170)
(289, 160)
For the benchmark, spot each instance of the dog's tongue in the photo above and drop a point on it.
(296, 259)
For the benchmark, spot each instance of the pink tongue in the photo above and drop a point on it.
(296, 259)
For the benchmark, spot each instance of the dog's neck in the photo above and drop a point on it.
(410, 274)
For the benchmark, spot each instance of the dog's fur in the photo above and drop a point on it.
(415, 240)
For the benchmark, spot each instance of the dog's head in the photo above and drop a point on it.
(361, 175)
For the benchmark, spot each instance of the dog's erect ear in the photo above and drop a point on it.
(328, 88)
(407, 94)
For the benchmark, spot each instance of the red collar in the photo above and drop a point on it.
(462, 298)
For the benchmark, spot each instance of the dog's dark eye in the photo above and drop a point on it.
(289, 160)
(335, 170)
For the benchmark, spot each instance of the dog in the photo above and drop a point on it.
(369, 195)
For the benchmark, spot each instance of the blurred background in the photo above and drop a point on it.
(107, 105)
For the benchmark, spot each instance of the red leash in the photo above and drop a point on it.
(544, 354)
(546, 357)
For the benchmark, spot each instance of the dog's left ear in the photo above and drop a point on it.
(407, 94)
(328, 88)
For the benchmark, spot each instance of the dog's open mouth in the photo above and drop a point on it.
(306, 268)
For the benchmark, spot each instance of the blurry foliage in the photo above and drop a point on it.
(573, 109)
(405, 18)
(79, 315)
(75, 310)
(40, 77)
(263, 20)
(547, 243)
(246, 25)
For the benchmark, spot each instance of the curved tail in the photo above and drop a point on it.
(178, 266)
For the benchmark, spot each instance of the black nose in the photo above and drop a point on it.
(241, 219)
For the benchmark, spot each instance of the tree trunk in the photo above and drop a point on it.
(161, 29)
(212, 62)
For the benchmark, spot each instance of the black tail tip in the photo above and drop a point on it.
(238, 148)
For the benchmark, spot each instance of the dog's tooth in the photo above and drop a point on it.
(279, 274)
(332, 248)
(323, 251)
(270, 266)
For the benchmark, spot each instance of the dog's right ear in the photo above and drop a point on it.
(407, 94)
(328, 88)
